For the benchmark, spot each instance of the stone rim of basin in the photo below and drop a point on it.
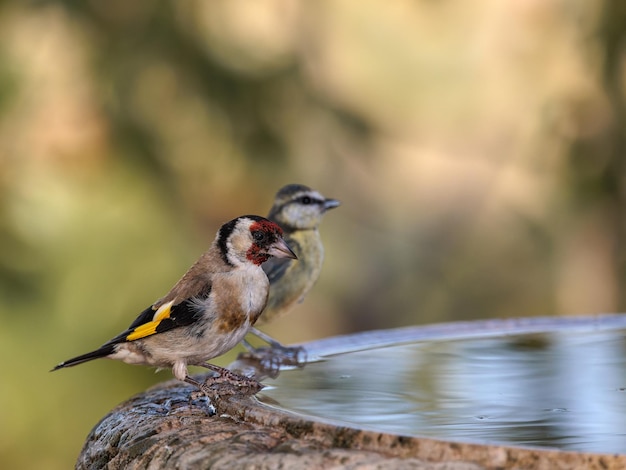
(169, 429)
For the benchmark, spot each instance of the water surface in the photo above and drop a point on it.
(564, 390)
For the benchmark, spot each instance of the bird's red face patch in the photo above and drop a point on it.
(266, 226)
(264, 233)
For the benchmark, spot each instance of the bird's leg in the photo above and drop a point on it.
(247, 345)
(193, 382)
(267, 338)
(276, 354)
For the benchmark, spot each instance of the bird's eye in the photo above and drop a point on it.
(258, 235)
(306, 200)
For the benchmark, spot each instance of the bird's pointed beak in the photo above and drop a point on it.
(331, 204)
(280, 249)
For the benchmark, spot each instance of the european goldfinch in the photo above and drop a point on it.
(207, 312)
(298, 209)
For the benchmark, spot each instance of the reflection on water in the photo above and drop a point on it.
(565, 390)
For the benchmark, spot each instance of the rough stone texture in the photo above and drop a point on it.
(163, 428)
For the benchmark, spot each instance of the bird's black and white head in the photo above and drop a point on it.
(251, 239)
(298, 207)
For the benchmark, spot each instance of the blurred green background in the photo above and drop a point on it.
(477, 148)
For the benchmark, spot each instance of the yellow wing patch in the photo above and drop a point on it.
(149, 328)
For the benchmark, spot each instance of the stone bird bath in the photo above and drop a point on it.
(541, 393)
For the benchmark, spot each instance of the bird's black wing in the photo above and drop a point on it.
(149, 322)
(167, 317)
(144, 317)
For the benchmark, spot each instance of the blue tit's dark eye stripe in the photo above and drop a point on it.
(305, 200)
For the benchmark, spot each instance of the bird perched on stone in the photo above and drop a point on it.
(299, 210)
(209, 310)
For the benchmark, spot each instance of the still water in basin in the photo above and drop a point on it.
(564, 390)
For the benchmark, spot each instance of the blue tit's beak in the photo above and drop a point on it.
(331, 204)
